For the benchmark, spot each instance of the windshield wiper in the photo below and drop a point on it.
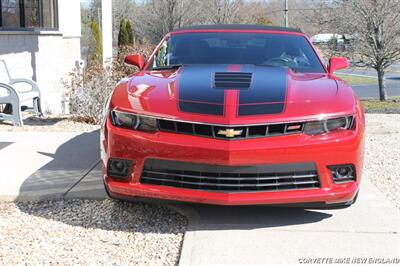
(167, 67)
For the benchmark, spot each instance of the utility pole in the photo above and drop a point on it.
(286, 13)
(106, 30)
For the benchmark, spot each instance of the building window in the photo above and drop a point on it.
(28, 14)
(10, 13)
(32, 13)
(48, 14)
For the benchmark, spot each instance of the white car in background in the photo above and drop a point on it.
(326, 37)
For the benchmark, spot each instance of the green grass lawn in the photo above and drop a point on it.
(392, 105)
(357, 80)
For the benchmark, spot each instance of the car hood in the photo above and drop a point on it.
(233, 94)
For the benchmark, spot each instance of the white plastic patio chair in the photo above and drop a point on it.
(13, 96)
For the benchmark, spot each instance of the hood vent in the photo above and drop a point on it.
(232, 80)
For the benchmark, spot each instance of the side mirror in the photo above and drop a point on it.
(336, 63)
(135, 60)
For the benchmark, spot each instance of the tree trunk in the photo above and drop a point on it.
(381, 84)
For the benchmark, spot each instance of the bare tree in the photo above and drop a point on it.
(375, 25)
(161, 16)
(152, 19)
(222, 11)
(318, 16)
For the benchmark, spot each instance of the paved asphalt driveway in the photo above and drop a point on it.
(371, 90)
(393, 73)
(57, 165)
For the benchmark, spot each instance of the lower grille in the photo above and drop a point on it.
(230, 179)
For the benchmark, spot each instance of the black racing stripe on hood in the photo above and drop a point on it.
(267, 93)
(201, 108)
(196, 92)
(259, 109)
(195, 84)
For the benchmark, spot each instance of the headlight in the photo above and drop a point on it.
(328, 125)
(132, 121)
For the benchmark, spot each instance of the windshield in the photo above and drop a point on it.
(280, 50)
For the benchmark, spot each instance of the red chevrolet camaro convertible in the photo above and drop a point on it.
(234, 115)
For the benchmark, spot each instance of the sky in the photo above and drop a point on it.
(85, 2)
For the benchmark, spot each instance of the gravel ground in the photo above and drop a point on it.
(48, 124)
(86, 232)
(382, 154)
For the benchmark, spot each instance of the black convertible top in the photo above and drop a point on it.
(237, 27)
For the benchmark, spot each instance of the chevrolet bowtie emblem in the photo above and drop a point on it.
(230, 132)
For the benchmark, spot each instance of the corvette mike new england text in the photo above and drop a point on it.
(350, 260)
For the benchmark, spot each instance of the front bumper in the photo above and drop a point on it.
(322, 150)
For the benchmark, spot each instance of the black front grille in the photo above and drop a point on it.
(229, 178)
(232, 80)
(221, 132)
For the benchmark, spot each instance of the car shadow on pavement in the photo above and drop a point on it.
(65, 167)
(210, 217)
(43, 194)
(4, 144)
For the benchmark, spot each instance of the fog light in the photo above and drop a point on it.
(343, 173)
(118, 168)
